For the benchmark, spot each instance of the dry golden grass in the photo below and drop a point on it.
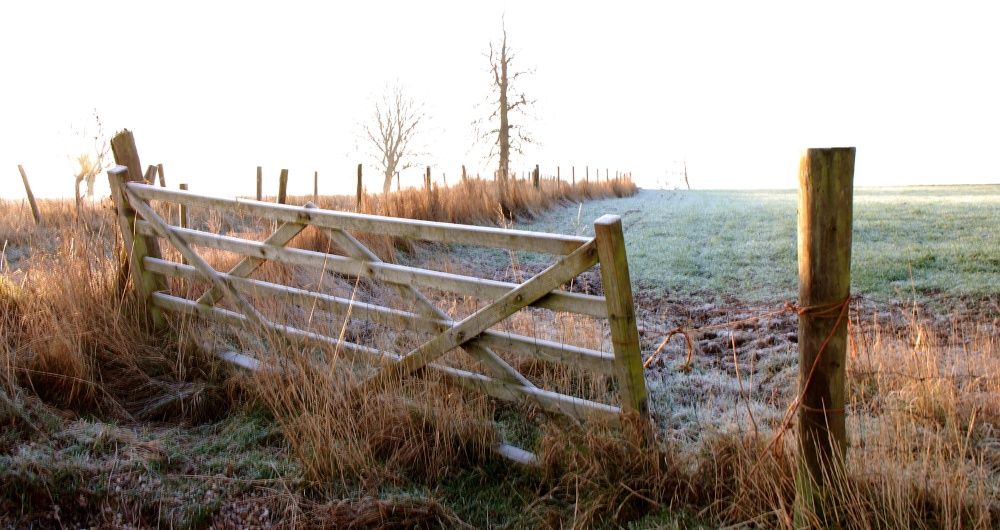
(924, 399)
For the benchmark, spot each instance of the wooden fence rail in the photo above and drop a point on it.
(474, 334)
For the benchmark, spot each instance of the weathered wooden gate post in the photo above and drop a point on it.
(136, 247)
(826, 197)
(621, 316)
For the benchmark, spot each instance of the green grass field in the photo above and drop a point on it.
(704, 244)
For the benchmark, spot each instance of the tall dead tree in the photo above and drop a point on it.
(397, 120)
(507, 102)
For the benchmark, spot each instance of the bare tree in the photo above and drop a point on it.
(397, 120)
(94, 158)
(505, 135)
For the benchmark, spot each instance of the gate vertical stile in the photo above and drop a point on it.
(136, 247)
(621, 317)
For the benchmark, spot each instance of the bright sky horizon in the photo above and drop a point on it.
(213, 89)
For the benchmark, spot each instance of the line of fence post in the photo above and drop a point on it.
(360, 190)
(260, 183)
(826, 195)
(283, 186)
(31, 196)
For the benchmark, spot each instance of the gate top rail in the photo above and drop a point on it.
(479, 236)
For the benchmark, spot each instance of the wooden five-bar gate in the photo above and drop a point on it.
(143, 229)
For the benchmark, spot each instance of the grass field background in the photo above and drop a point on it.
(742, 243)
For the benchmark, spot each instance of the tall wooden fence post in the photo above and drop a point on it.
(283, 186)
(621, 316)
(360, 189)
(159, 172)
(260, 183)
(826, 196)
(136, 247)
(31, 196)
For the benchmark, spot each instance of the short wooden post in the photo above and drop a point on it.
(159, 172)
(621, 315)
(315, 186)
(557, 176)
(31, 196)
(182, 219)
(150, 175)
(464, 177)
(427, 179)
(826, 196)
(587, 176)
(360, 190)
(283, 186)
(260, 183)
(398, 188)
(136, 247)
(607, 177)
(574, 175)
(535, 178)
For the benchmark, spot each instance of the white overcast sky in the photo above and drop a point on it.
(214, 89)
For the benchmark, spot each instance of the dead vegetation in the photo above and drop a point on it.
(106, 424)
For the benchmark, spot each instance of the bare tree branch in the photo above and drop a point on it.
(504, 101)
(397, 121)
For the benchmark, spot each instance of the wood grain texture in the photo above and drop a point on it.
(621, 314)
(826, 197)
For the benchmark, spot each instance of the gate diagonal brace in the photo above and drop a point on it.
(280, 237)
(355, 249)
(472, 326)
(218, 280)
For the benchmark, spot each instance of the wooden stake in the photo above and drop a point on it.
(621, 315)
(283, 186)
(183, 216)
(159, 171)
(315, 186)
(535, 179)
(360, 191)
(826, 194)
(260, 182)
(31, 196)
